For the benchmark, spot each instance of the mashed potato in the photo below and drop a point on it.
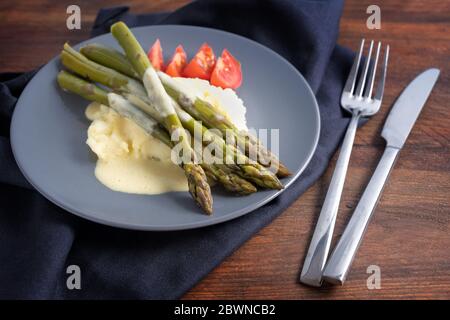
(129, 160)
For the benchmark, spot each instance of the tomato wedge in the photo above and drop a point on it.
(176, 65)
(202, 64)
(155, 55)
(227, 73)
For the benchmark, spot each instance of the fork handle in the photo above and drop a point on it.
(342, 257)
(320, 243)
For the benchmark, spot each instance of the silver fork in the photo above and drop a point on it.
(360, 103)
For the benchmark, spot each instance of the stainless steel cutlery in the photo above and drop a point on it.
(358, 100)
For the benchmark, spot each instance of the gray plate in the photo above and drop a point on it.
(48, 135)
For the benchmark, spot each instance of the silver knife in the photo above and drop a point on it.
(398, 124)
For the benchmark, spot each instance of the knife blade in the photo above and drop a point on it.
(407, 108)
(398, 125)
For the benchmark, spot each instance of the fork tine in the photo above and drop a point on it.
(362, 79)
(351, 80)
(373, 71)
(380, 88)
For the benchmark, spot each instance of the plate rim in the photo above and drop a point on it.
(184, 226)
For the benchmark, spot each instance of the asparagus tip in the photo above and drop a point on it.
(198, 187)
(283, 171)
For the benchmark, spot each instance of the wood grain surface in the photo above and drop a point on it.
(409, 237)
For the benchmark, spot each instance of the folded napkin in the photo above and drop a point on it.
(38, 240)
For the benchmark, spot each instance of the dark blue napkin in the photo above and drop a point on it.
(38, 240)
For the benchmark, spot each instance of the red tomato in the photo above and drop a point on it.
(227, 72)
(176, 65)
(202, 64)
(155, 55)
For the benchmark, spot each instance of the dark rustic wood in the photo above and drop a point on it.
(409, 237)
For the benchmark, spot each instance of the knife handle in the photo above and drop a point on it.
(342, 257)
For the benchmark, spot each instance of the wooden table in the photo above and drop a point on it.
(409, 237)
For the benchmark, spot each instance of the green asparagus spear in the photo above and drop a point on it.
(198, 185)
(133, 50)
(82, 87)
(231, 181)
(90, 91)
(212, 116)
(111, 58)
(76, 62)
